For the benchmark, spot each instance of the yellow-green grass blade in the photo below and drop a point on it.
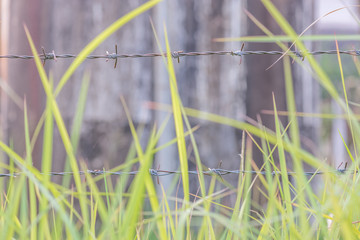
(135, 202)
(206, 220)
(37, 130)
(267, 154)
(138, 186)
(77, 123)
(347, 148)
(7, 210)
(295, 138)
(101, 38)
(97, 197)
(285, 38)
(178, 121)
(11, 94)
(169, 215)
(93, 215)
(99, 208)
(205, 231)
(244, 211)
(298, 187)
(11, 211)
(195, 149)
(107, 182)
(133, 130)
(291, 105)
(32, 199)
(351, 121)
(179, 127)
(289, 217)
(62, 130)
(46, 163)
(177, 113)
(161, 224)
(239, 186)
(10, 182)
(24, 214)
(346, 99)
(357, 64)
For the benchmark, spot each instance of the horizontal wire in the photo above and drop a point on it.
(178, 54)
(161, 173)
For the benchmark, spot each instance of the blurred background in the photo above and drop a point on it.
(216, 84)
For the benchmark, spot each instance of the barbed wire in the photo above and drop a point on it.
(178, 54)
(161, 173)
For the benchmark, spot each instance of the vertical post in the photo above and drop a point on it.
(4, 37)
(166, 158)
(22, 76)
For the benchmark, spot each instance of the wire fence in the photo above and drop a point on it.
(161, 173)
(178, 54)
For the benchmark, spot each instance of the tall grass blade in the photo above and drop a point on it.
(138, 186)
(32, 205)
(63, 133)
(346, 98)
(46, 163)
(77, 123)
(179, 128)
(284, 176)
(295, 138)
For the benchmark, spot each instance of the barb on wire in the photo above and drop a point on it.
(160, 173)
(178, 54)
(47, 56)
(112, 56)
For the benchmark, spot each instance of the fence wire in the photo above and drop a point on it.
(178, 54)
(161, 173)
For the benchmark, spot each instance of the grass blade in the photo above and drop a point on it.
(179, 128)
(32, 205)
(77, 123)
(62, 130)
(141, 180)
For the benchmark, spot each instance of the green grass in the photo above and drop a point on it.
(34, 207)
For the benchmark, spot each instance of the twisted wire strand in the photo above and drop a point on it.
(161, 173)
(178, 54)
